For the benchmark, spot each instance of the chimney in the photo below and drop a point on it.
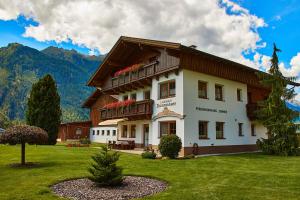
(193, 46)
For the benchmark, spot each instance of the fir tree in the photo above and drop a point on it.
(275, 115)
(104, 171)
(43, 108)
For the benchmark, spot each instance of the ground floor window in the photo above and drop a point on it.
(114, 133)
(102, 132)
(93, 132)
(132, 131)
(108, 133)
(167, 127)
(124, 131)
(241, 129)
(203, 129)
(253, 130)
(219, 130)
(98, 132)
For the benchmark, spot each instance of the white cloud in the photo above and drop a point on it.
(98, 24)
(293, 69)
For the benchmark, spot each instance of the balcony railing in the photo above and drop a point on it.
(138, 78)
(251, 110)
(134, 111)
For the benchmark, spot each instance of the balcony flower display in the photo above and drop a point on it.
(120, 104)
(130, 68)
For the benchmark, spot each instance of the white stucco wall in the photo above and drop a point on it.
(138, 130)
(177, 107)
(103, 138)
(236, 112)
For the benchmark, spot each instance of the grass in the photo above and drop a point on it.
(246, 176)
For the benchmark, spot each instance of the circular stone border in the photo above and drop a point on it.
(132, 187)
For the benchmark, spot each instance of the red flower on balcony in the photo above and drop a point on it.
(130, 68)
(119, 104)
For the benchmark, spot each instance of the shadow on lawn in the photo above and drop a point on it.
(31, 165)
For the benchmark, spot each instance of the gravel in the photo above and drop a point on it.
(132, 187)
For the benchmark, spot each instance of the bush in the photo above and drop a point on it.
(149, 155)
(85, 141)
(284, 146)
(104, 171)
(170, 146)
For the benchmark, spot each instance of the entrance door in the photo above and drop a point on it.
(146, 135)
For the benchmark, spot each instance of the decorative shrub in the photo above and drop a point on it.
(149, 155)
(104, 171)
(85, 141)
(170, 146)
(23, 134)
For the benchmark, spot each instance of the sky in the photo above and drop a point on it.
(240, 30)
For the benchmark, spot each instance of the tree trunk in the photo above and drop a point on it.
(23, 153)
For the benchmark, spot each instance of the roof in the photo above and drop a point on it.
(112, 122)
(93, 98)
(167, 45)
(78, 122)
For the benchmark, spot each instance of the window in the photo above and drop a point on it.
(146, 95)
(78, 131)
(98, 132)
(102, 132)
(108, 132)
(241, 129)
(124, 131)
(93, 132)
(220, 130)
(132, 131)
(114, 133)
(239, 94)
(219, 92)
(202, 90)
(203, 129)
(133, 96)
(167, 89)
(167, 128)
(125, 97)
(253, 130)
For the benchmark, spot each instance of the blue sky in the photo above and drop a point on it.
(281, 18)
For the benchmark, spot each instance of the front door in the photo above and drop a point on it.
(146, 135)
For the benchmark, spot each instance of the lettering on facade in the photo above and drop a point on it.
(165, 103)
(211, 110)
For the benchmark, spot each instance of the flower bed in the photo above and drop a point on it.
(130, 68)
(119, 104)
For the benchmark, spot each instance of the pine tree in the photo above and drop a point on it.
(104, 171)
(275, 115)
(43, 107)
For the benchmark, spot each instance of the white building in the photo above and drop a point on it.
(167, 88)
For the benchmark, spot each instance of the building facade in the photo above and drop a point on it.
(167, 88)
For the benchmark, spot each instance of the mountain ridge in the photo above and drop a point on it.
(21, 66)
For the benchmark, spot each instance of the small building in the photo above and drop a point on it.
(74, 130)
(1, 130)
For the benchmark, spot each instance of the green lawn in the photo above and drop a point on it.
(247, 176)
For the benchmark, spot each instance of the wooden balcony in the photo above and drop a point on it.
(251, 110)
(136, 111)
(135, 79)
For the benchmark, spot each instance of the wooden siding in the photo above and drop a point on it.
(203, 64)
(99, 103)
(165, 61)
(67, 131)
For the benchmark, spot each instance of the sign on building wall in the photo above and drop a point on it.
(165, 103)
(211, 110)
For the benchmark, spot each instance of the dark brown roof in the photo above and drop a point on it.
(93, 98)
(167, 45)
(78, 122)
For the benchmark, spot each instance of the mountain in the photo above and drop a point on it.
(21, 66)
